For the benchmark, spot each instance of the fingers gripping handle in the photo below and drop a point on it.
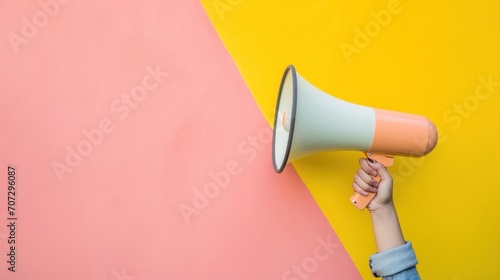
(360, 201)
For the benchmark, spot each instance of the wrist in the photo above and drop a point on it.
(383, 210)
(386, 227)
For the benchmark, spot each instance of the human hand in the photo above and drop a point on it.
(364, 182)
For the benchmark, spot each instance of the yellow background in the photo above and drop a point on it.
(427, 60)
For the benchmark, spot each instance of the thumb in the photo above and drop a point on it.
(380, 168)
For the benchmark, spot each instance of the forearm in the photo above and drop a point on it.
(386, 228)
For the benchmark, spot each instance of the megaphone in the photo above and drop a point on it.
(308, 120)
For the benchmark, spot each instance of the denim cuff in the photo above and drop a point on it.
(394, 260)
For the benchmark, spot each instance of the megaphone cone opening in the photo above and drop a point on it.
(284, 119)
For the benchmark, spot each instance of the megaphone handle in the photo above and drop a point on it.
(361, 201)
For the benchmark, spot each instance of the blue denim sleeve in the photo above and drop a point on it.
(395, 264)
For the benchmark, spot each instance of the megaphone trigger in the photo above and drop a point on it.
(386, 160)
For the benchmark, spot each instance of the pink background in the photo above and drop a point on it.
(114, 211)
